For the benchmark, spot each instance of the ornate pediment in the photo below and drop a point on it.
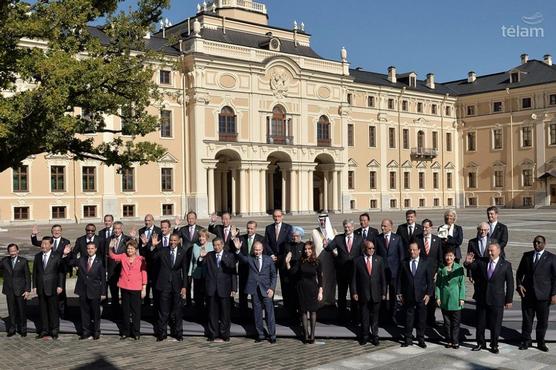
(407, 164)
(421, 164)
(449, 166)
(352, 163)
(373, 163)
(436, 165)
(167, 158)
(393, 164)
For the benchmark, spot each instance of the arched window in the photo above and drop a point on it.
(227, 124)
(420, 140)
(323, 131)
(279, 127)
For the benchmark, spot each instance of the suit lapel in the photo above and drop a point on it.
(541, 260)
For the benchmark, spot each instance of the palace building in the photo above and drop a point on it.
(255, 119)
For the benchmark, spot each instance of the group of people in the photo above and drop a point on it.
(409, 272)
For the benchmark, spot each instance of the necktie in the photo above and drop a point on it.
(108, 234)
(427, 246)
(277, 231)
(44, 260)
(349, 243)
(490, 269)
(218, 258)
(386, 240)
(226, 231)
(148, 234)
(13, 262)
(537, 256)
(491, 227)
(173, 255)
(250, 243)
(259, 263)
(413, 267)
(369, 266)
(55, 245)
(482, 246)
(118, 244)
(410, 230)
(90, 264)
(165, 243)
(364, 233)
(191, 231)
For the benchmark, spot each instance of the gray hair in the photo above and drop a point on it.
(348, 221)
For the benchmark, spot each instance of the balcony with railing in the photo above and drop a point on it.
(242, 4)
(227, 136)
(279, 139)
(424, 153)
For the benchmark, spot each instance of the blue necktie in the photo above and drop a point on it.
(413, 267)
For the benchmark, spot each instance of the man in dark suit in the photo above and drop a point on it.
(498, 232)
(260, 284)
(220, 285)
(368, 285)
(48, 283)
(415, 288)
(223, 231)
(247, 240)
(170, 282)
(389, 247)
(366, 232)
(479, 244)
(345, 247)
(17, 286)
(91, 288)
(431, 249)
(189, 236)
(410, 230)
(105, 234)
(494, 288)
(276, 238)
(58, 245)
(536, 284)
(145, 246)
(117, 244)
(80, 247)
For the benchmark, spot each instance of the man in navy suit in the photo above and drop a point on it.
(431, 248)
(411, 229)
(366, 231)
(415, 288)
(494, 290)
(247, 242)
(80, 247)
(389, 247)
(17, 286)
(276, 238)
(261, 284)
(117, 244)
(145, 246)
(479, 244)
(220, 285)
(498, 232)
(536, 284)
(224, 231)
(346, 247)
(91, 288)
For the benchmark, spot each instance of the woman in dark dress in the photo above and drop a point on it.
(307, 276)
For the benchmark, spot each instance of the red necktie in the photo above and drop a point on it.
(349, 244)
(369, 266)
(90, 264)
(427, 246)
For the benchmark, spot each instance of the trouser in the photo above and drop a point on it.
(494, 315)
(17, 319)
(219, 317)
(199, 298)
(131, 309)
(412, 310)
(530, 308)
(50, 314)
(369, 319)
(288, 291)
(452, 320)
(431, 309)
(261, 302)
(391, 302)
(343, 278)
(114, 291)
(188, 299)
(169, 310)
(243, 297)
(90, 315)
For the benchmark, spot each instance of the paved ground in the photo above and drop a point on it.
(242, 353)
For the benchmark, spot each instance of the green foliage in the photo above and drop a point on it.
(104, 73)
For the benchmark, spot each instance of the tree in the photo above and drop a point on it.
(52, 61)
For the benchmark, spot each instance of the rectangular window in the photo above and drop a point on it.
(470, 110)
(421, 180)
(373, 204)
(350, 134)
(21, 179)
(352, 204)
(88, 180)
(370, 101)
(421, 202)
(405, 138)
(89, 211)
(390, 103)
(514, 77)
(393, 203)
(165, 78)
(497, 106)
(448, 141)
(166, 179)
(419, 107)
(472, 202)
(435, 140)
(498, 201)
(57, 178)
(526, 103)
(351, 180)
(166, 123)
(526, 137)
(406, 180)
(497, 138)
(405, 105)
(552, 99)
(472, 180)
(449, 180)
(527, 202)
(372, 179)
(350, 98)
(407, 203)
(552, 129)
(498, 179)
(435, 180)
(448, 111)
(471, 141)
(450, 202)
(128, 210)
(392, 180)
(434, 109)
(527, 177)
(58, 212)
(391, 137)
(21, 213)
(372, 136)
(436, 202)
(167, 210)
(128, 179)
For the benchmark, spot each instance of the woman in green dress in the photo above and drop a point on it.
(450, 296)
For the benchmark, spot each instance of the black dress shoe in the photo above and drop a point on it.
(54, 337)
(137, 337)
(123, 337)
(82, 337)
(160, 339)
(455, 346)
(11, 334)
(542, 347)
(226, 339)
(375, 341)
(41, 335)
(523, 346)
(258, 340)
(407, 343)
(362, 342)
(179, 338)
(96, 337)
(478, 347)
(23, 334)
(272, 340)
(421, 343)
(448, 345)
(494, 349)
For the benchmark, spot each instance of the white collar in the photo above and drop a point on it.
(416, 260)
(496, 260)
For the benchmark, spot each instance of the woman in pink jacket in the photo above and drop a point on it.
(132, 282)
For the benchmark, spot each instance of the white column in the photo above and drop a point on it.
(270, 182)
(284, 189)
(293, 191)
(262, 191)
(244, 189)
(211, 192)
(325, 191)
(225, 191)
(335, 190)
(234, 190)
(310, 185)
